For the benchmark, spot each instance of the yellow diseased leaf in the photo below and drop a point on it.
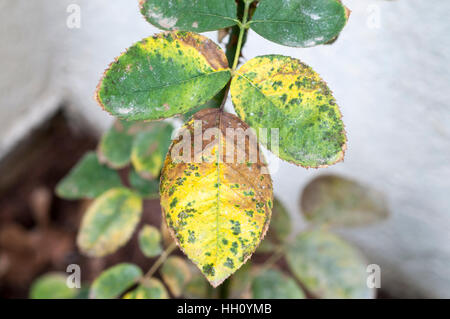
(217, 204)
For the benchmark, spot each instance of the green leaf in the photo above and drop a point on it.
(150, 241)
(150, 148)
(217, 210)
(327, 266)
(279, 92)
(176, 274)
(273, 284)
(148, 189)
(150, 289)
(197, 287)
(192, 15)
(279, 230)
(299, 23)
(52, 286)
(337, 201)
(114, 148)
(164, 75)
(240, 282)
(114, 281)
(281, 223)
(88, 179)
(109, 222)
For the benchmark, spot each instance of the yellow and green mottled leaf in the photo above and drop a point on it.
(279, 92)
(327, 266)
(273, 284)
(114, 148)
(192, 15)
(148, 189)
(52, 286)
(338, 201)
(109, 222)
(114, 281)
(150, 148)
(176, 274)
(150, 241)
(164, 75)
(217, 209)
(299, 23)
(88, 179)
(150, 289)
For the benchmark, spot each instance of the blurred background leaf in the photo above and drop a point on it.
(338, 201)
(150, 148)
(150, 241)
(148, 189)
(114, 281)
(273, 284)
(115, 145)
(327, 266)
(149, 289)
(176, 274)
(109, 222)
(52, 286)
(88, 179)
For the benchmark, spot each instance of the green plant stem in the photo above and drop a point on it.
(243, 26)
(160, 260)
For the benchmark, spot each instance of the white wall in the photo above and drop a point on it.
(391, 83)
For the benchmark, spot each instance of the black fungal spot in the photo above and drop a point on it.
(224, 241)
(234, 247)
(236, 228)
(209, 269)
(191, 236)
(174, 202)
(229, 263)
(249, 213)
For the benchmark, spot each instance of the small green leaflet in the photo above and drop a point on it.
(150, 149)
(176, 274)
(192, 15)
(148, 189)
(299, 23)
(114, 281)
(52, 286)
(150, 289)
(150, 241)
(88, 179)
(114, 148)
